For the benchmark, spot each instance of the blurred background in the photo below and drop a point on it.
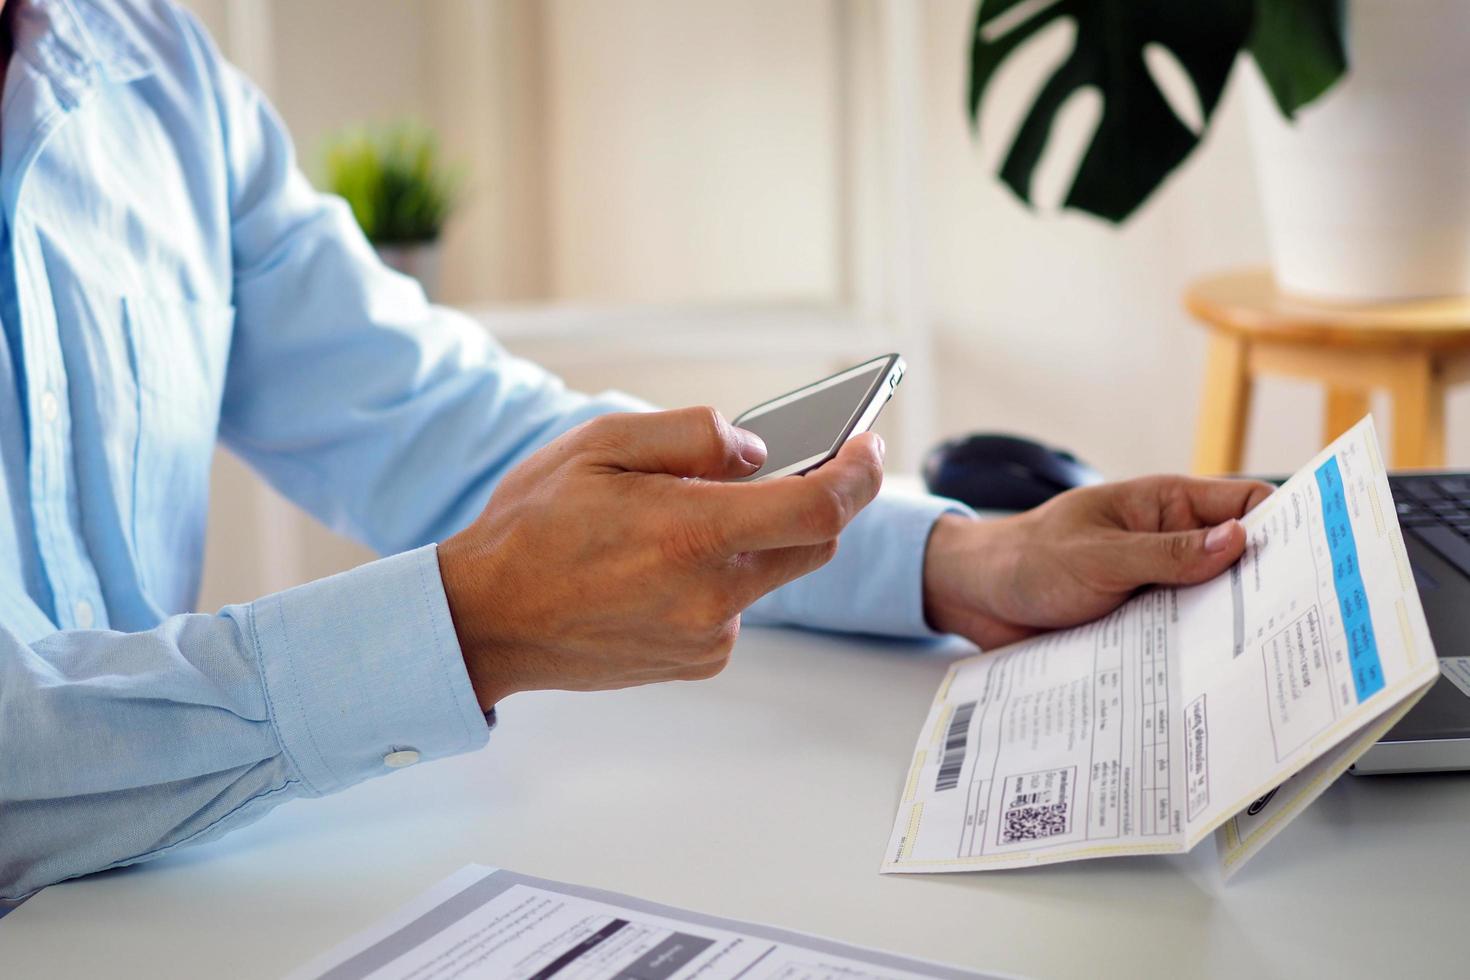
(711, 201)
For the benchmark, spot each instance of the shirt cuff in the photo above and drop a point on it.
(363, 665)
(875, 583)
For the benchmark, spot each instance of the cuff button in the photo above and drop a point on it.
(400, 758)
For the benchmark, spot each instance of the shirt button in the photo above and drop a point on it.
(401, 758)
(50, 408)
(83, 611)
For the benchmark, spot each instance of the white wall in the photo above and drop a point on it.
(487, 99)
(342, 62)
(692, 149)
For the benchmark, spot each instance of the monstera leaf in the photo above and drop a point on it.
(1300, 48)
(1139, 139)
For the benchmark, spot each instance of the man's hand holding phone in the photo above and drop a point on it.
(624, 552)
(618, 554)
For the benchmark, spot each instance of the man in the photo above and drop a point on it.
(168, 277)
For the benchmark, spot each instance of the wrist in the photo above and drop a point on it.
(461, 574)
(965, 566)
(944, 560)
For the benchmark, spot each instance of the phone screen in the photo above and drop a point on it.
(810, 424)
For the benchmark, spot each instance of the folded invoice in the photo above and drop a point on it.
(1227, 706)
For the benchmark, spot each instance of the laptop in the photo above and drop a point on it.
(1434, 512)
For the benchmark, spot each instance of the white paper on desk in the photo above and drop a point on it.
(498, 925)
(1149, 729)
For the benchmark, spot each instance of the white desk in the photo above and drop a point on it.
(768, 794)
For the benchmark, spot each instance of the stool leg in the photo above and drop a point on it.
(1225, 405)
(1345, 406)
(1418, 412)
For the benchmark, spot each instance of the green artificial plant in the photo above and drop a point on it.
(393, 178)
(1298, 45)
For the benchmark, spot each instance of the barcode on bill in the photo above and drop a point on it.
(955, 739)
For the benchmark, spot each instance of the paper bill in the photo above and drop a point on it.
(1146, 730)
(488, 924)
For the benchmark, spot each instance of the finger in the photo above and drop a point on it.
(762, 571)
(684, 442)
(797, 510)
(1182, 503)
(1258, 493)
(1177, 557)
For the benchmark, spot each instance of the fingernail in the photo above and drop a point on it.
(1219, 536)
(882, 449)
(752, 447)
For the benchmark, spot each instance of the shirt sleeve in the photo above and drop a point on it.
(120, 747)
(875, 582)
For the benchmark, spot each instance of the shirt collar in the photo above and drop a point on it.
(75, 45)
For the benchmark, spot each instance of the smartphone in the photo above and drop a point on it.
(805, 428)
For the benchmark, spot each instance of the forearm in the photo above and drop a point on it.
(121, 747)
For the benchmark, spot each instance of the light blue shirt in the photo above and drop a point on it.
(173, 279)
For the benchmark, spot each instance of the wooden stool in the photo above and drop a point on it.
(1412, 350)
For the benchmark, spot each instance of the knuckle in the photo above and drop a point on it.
(719, 654)
(715, 611)
(873, 469)
(1171, 495)
(597, 430)
(704, 670)
(1176, 546)
(714, 655)
(704, 615)
(694, 541)
(712, 428)
(724, 643)
(604, 435)
(824, 514)
(1177, 491)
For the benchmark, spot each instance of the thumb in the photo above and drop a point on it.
(1185, 557)
(684, 442)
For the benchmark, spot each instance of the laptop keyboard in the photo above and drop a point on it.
(1436, 510)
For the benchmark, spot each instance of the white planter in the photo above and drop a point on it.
(421, 261)
(1367, 196)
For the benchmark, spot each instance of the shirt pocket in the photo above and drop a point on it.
(181, 350)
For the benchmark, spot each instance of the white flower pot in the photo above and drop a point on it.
(1367, 195)
(420, 260)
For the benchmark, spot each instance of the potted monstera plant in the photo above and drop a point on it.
(400, 191)
(1364, 173)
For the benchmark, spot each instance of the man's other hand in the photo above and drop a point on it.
(615, 556)
(1080, 554)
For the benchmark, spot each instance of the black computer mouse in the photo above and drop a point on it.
(995, 472)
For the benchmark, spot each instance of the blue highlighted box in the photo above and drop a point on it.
(1352, 601)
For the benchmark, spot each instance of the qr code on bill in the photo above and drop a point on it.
(1028, 823)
